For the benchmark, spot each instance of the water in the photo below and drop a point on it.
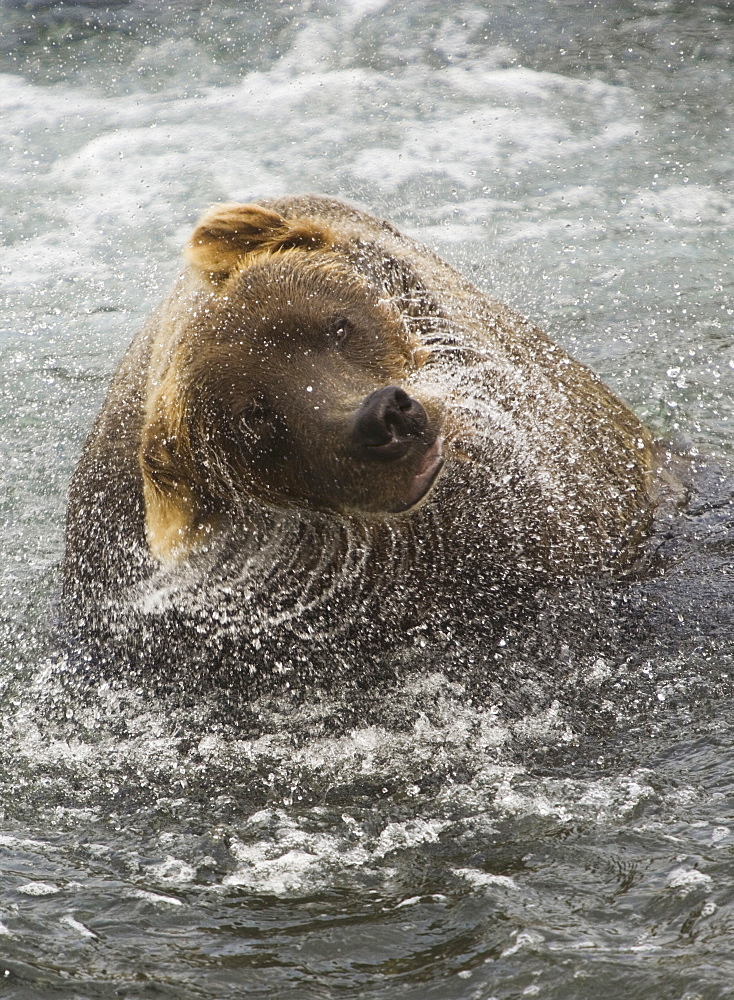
(577, 160)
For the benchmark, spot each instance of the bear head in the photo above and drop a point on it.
(280, 375)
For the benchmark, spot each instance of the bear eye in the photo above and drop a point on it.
(340, 329)
(254, 416)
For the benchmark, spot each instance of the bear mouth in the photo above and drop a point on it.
(425, 478)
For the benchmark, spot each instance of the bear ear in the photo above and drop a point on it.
(229, 234)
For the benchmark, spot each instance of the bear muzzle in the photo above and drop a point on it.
(390, 425)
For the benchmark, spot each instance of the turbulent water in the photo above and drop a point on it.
(418, 841)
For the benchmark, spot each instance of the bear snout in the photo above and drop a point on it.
(387, 423)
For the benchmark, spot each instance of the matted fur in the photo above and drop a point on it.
(226, 434)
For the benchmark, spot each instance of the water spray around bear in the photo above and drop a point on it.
(326, 443)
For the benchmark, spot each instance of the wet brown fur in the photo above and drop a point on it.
(558, 479)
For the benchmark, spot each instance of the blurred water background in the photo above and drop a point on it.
(575, 158)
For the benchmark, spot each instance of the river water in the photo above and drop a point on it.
(576, 158)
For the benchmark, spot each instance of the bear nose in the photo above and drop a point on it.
(387, 422)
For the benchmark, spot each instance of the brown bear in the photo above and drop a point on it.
(326, 439)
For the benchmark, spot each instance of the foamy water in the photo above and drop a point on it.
(567, 834)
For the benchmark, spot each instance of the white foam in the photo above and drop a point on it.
(675, 205)
(38, 889)
(76, 925)
(292, 859)
(173, 870)
(398, 836)
(479, 879)
(524, 939)
(24, 843)
(687, 880)
(155, 897)
(122, 170)
(293, 871)
(364, 7)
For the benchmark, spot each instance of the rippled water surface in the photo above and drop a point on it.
(421, 841)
